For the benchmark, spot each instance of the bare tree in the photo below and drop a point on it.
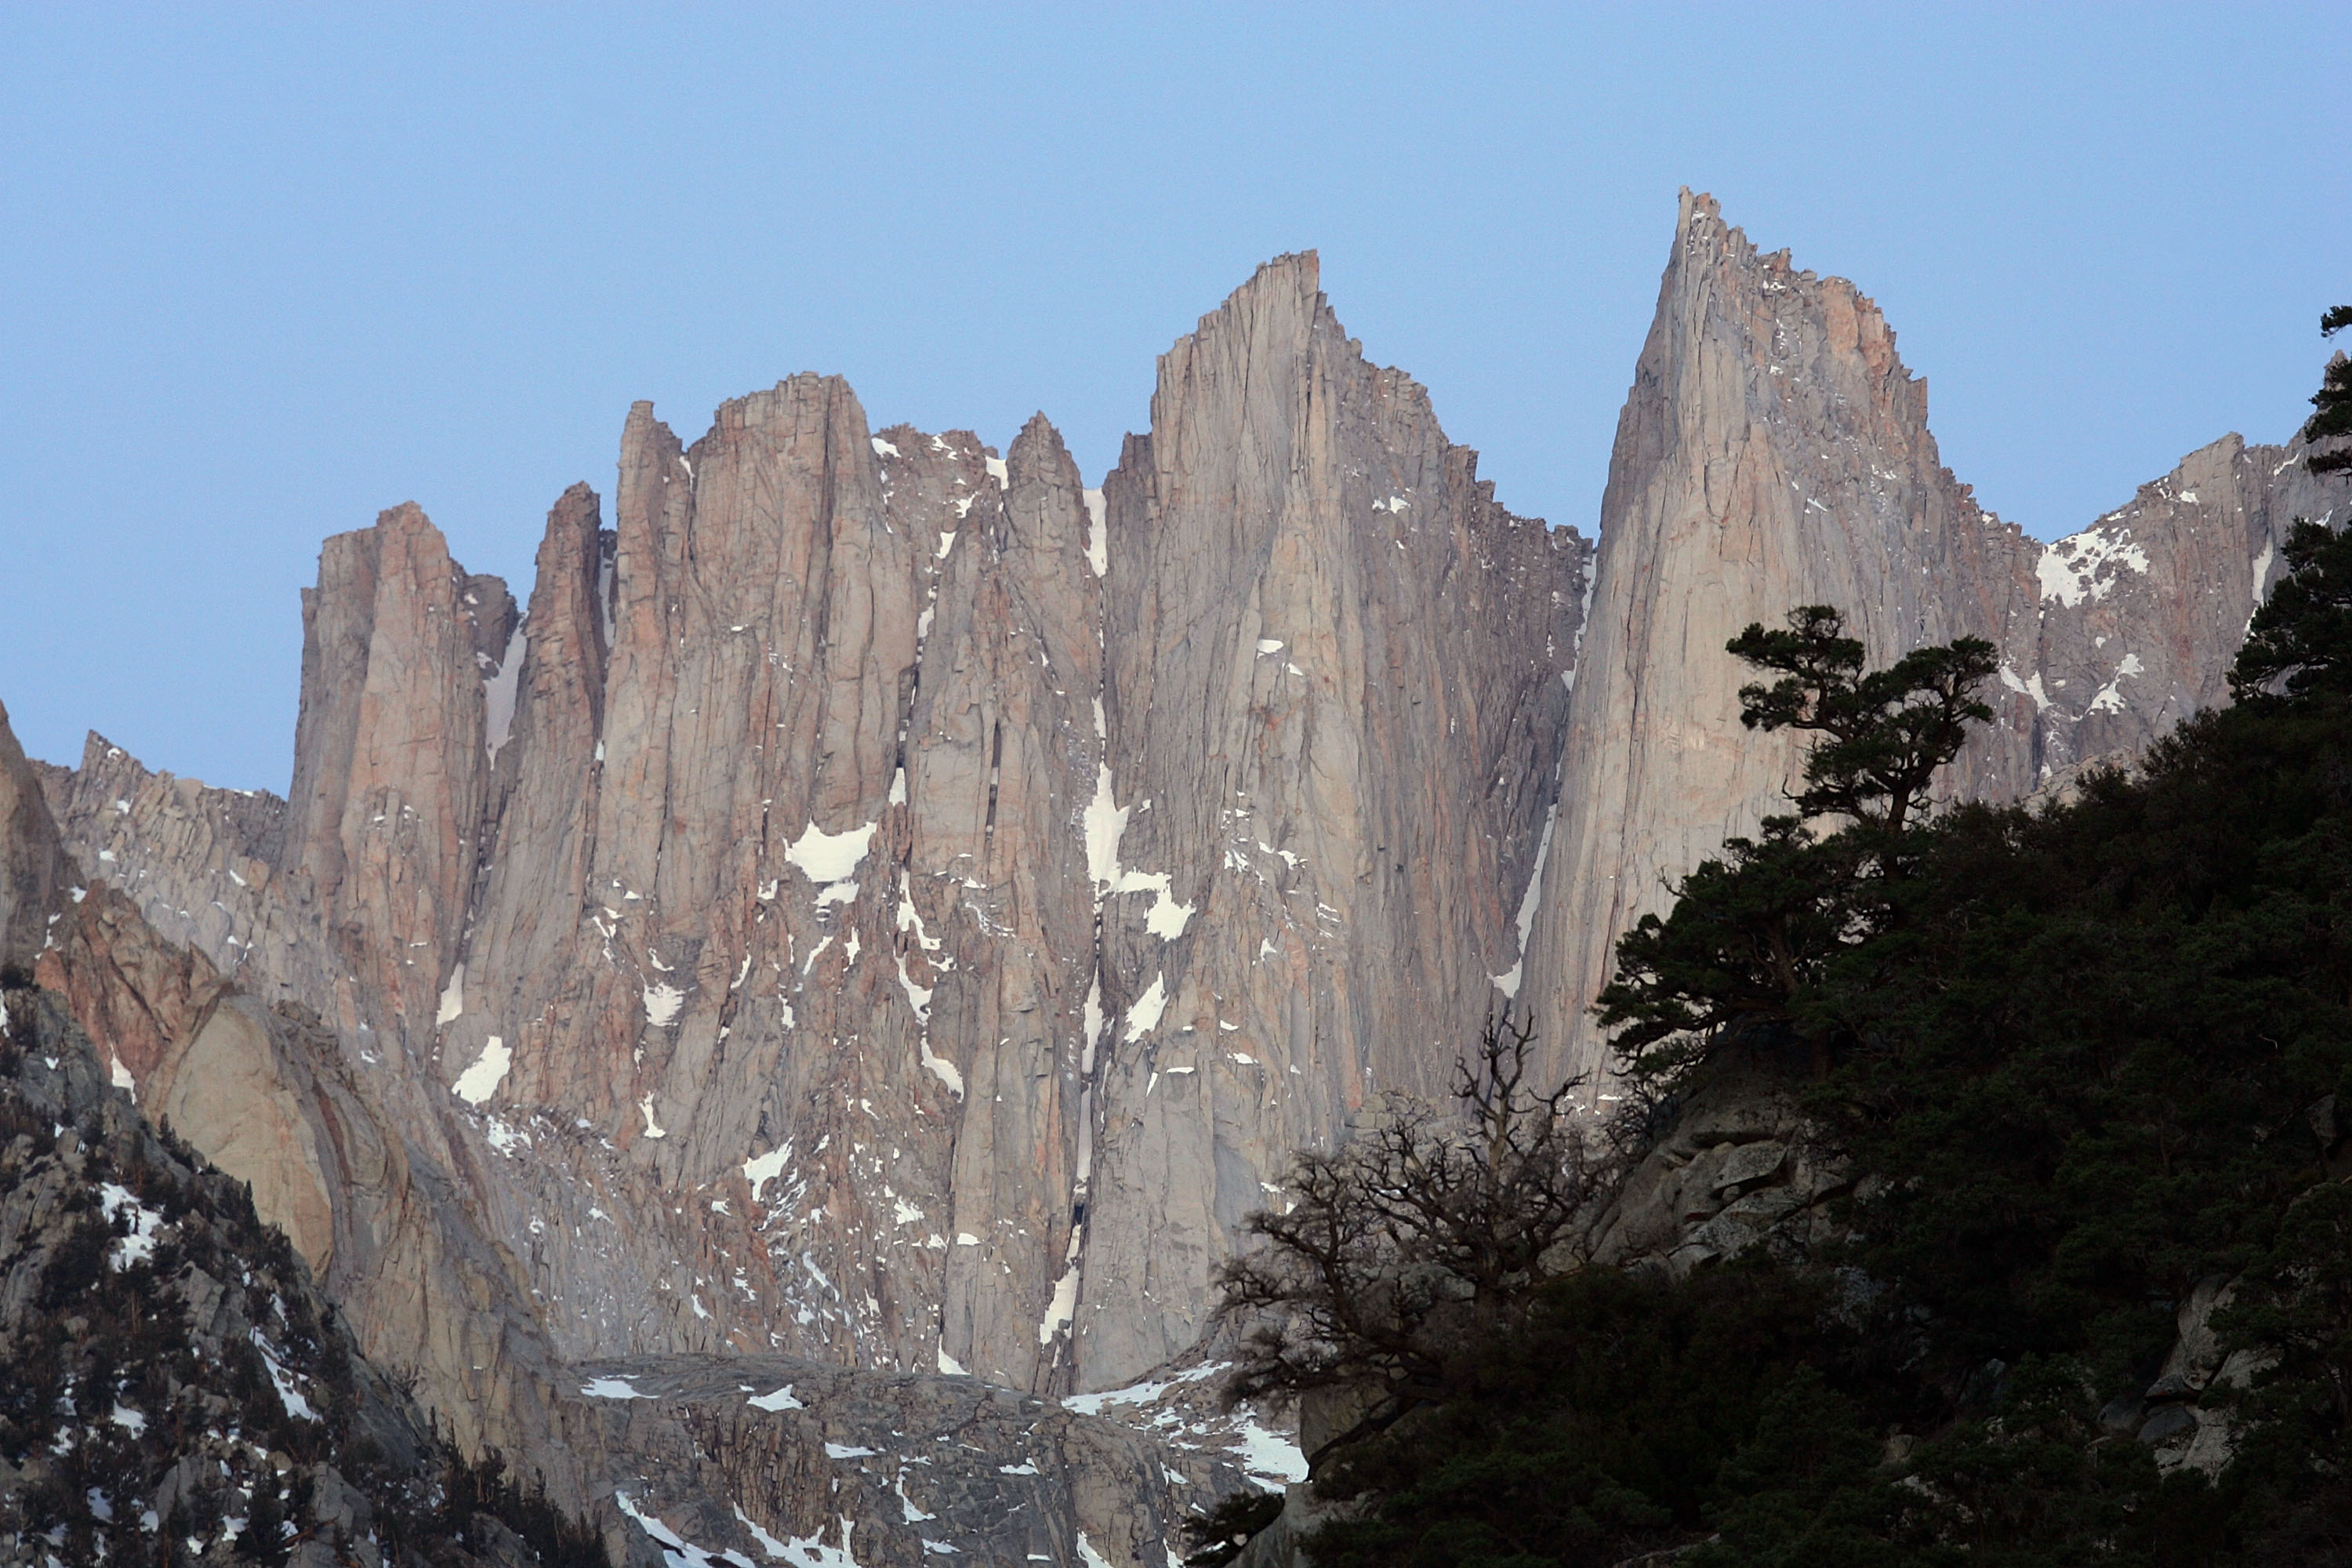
(1407, 1245)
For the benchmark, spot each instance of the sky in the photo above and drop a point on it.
(267, 271)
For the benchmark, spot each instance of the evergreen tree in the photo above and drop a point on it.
(2300, 642)
(1883, 735)
(2333, 400)
(1750, 932)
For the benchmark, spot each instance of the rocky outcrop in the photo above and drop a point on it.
(34, 871)
(1333, 704)
(173, 1369)
(1774, 451)
(2138, 615)
(385, 820)
(1741, 1167)
(775, 1457)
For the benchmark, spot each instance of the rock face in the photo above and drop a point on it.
(1333, 710)
(1775, 452)
(175, 1426)
(888, 906)
(34, 869)
(636, 1444)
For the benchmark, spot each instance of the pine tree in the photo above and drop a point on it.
(2300, 641)
(1750, 930)
(2333, 400)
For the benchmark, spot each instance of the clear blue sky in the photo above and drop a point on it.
(266, 272)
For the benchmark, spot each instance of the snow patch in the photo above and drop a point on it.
(498, 694)
(938, 1067)
(768, 1543)
(646, 1109)
(2029, 688)
(883, 448)
(140, 1244)
(765, 1168)
(782, 1399)
(662, 1002)
(612, 1388)
(918, 997)
(1097, 534)
(1144, 1017)
(2110, 696)
(1106, 824)
(287, 1394)
(826, 858)
(2070, 570)
(1269, 1457)
(478, 1083)
(1062, 1308)
(1139, 1393)
(1507, 982)
(453, 999)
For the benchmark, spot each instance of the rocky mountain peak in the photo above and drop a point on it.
(1773, 452)
(889, 905)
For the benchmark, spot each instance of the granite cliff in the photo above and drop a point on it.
(884, 906)
(1774, 451)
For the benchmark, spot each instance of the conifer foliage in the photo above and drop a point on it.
(2333, 400)
(1751, 932)
(2300, 641)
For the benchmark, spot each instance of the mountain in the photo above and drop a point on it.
(883, 905)
(1774, 451)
